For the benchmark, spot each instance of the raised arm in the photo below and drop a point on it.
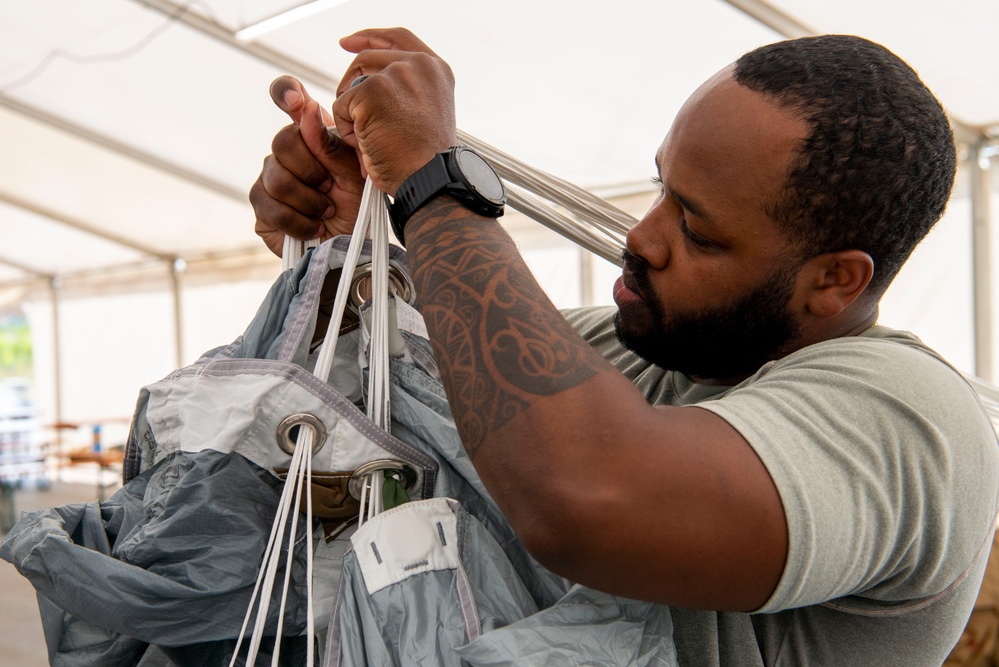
(655, 503)
(662, 504)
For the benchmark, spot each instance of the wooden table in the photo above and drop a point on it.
(106, 459)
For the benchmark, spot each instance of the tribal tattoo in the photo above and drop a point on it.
(498, 339)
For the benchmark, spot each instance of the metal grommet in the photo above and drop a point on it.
(406, 471)
(287, 435)
(360, 286)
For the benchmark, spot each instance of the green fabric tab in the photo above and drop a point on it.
(393, 492)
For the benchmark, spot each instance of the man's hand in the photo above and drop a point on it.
(310, 186)
(402, 114)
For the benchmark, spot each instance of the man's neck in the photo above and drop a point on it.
(855, 328)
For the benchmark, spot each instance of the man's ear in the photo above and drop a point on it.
(836, 280)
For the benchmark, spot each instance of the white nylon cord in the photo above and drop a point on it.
(296, 482)
(299, 479)
(370, 197)
(593, 212)
(378, 404)
(599, 227)
(268, 566)
(378, 409)
(597, 240)
(294, 250)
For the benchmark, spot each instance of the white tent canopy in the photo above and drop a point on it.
(130, 131)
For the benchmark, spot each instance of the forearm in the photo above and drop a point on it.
(499, 340)
(600, 486)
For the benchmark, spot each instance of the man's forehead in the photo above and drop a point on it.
(724, 109)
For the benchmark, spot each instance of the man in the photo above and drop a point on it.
(800, 485)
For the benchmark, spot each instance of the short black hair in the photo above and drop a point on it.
(876, 172)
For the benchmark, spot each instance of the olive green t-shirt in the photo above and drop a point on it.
(888, 469)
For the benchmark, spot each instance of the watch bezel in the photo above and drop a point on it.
(458, 170)
(445, 174)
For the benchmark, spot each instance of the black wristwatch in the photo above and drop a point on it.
(459, 172)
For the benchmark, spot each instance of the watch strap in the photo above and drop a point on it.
(428, 181)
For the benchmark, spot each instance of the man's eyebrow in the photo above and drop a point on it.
(690, 205)
(686, 202)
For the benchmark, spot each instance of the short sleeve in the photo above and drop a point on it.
(886, 465)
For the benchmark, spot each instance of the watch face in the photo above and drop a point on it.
(480, 176)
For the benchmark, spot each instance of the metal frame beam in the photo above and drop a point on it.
(55, 216)
(181, 12)
(81, 226)
(37, 275)
(121, 148)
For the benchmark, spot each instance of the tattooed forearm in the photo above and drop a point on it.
(498, 339)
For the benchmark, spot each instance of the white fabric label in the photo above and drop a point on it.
(420, 536)
(409, 319)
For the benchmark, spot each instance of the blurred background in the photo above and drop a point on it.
(131, 130)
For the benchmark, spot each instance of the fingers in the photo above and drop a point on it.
(283, 186)
(371, 63)
(293, 154)
(320, 138)
(286, 198)
(274, 220)
(397, 39)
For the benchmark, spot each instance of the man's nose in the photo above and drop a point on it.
(649, 239)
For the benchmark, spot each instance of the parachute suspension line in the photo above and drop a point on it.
(593, 224)
(300, 462)
(299, 478)
(294, 250)
(597, 226)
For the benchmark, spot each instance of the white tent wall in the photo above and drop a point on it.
(117, 334)
(138, 149)
(932, 295)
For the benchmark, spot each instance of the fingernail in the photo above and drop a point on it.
(291, 98)
(329, 212)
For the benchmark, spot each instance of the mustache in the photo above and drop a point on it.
(639, 269)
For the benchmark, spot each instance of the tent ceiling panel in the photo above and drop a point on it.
(183, 96)
(951, 44)
(51, 248)
(585, 91)
(113, 194)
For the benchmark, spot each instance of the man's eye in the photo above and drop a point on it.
(699, 241)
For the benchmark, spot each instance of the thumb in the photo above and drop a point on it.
(290, 96)
(318, 134)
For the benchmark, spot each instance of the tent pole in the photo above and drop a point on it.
(586, 291)
(177, 266)
(54, 286)
(981, 244)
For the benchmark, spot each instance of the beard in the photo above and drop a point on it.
(729, 341)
